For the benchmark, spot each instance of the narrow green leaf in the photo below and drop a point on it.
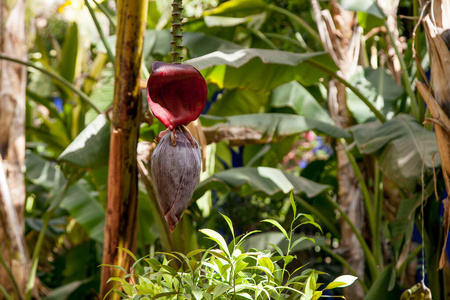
(161, 295)
(171, 255)
(260, 268)
(341, 281)
(278, 249)
(311, 223)
(242, 239)
(194, 252)
(118, 279)
(113, 266)
(170, 270)
(303, 238)
(215, 236)
(278, 225)
(128, 252)
(218, 255)
(230, 224)
(294, 207)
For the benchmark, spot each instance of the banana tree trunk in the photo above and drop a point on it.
(340, 36)
(122, 204)
(12, 147)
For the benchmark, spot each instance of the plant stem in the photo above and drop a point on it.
(297, 19)
(264, 38)
(37, 249)
(5, 294)
(111, 18)
(368, 254)
(57, 77)
(405, 75)
(366, 195)
(366, 101)
(177, 31)
(345, 264)
(100, 31)
(378, 197)
(11, 276)
(417, 50)
(409, 258)
(285, 38)
(311, 209)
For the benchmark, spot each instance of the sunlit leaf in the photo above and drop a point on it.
(90, 149)
(266, 262)
(215, 236)
(368, 6)
(260, 69)
(278, 225)
(295, 96)
(341, 281)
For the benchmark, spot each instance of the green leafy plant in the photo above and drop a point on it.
(225, 271)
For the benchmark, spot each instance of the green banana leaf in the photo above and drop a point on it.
(261, 69)
(399, 144)
(90, 149)
(260, 181)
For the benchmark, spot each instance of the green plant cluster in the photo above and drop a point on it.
(226, 271)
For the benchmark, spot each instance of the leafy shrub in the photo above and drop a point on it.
(226, 272)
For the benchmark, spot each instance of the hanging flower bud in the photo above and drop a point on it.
(176, 93)
(175, 166)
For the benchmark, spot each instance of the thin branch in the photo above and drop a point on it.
(368, 254)
(100, 31)
(47, 216)
(11, 276)
(110, 17)
(297, 19)
(340, 259)
(57, 77)
(405, 76)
